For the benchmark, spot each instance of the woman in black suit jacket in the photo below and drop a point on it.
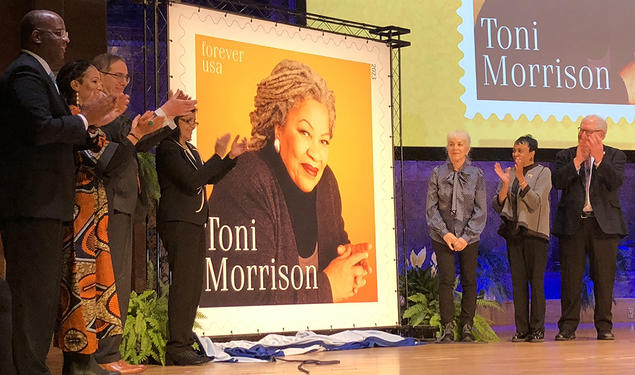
(182, 215)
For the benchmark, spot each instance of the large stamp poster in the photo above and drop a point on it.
(273, 262)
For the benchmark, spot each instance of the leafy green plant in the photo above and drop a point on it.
(423, 291)
(197, 325)
(148, 176)
(482, 327)
(146, 330)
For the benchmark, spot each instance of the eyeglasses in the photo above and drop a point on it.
(190, 121)
(59, 33)
(120, 76)
(589, 131)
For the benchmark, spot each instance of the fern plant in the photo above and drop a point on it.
(482, 327)
(148, 176)
(146, 332)
(425, 310)
(423, 292)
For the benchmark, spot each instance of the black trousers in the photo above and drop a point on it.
(185, 243)
(527, 262)
(6, 332)
(33, 249)
(602, 251)
(120, 239)
(447, 272)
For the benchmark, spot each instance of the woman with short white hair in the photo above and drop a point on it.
(456, 211)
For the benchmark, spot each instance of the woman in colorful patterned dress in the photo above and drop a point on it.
(89, 309)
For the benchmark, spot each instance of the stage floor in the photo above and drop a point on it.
(585, 355)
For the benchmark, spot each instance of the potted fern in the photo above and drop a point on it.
(423, 314)
(146, 331)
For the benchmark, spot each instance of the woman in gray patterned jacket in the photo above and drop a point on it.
(522, 199)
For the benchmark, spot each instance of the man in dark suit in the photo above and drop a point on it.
(123, 188)
(589, 221)
(37, 174)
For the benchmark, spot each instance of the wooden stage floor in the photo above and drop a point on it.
(585, 355)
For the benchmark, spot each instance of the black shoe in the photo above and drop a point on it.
(606, 335)
(448, 334)
(565, 336)
(83, 364)
(520, 337)
(466, 333)
(185, 358)
(537, 336)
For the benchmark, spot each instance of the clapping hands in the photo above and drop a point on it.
(589, 145)
(101, 109)
(120, 106)
(237, 148)
(146, 124)
(220, 148)
(178, 104)
(596, 147)
(505, 175)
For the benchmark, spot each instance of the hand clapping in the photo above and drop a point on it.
(238, 147)
(505, 175)
(178, 104)
(146, 124)
(221, 145)
(101, 109)
(596, 147)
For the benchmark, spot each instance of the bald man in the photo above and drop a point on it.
(37, 172)
(589, 221)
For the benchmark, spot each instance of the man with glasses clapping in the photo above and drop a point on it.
(589, 221)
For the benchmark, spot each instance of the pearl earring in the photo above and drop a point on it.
(77, 99)
(276, 145)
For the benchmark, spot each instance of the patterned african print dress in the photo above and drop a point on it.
(89, 309)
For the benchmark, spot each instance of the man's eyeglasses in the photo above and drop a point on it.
(588, 131)
(190, 121)
(59, 33)
(120, 76)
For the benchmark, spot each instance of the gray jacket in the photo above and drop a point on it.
(532, 202)
(470, 214)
